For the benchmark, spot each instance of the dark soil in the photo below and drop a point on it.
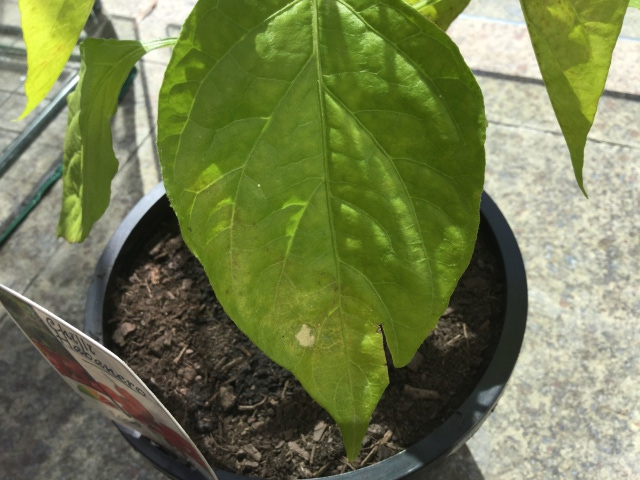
(249, 415)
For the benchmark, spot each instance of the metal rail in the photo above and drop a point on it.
(37, 126)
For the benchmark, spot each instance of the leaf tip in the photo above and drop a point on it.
(352, 435)
(28, 108)
(582, 189)
(577, 170)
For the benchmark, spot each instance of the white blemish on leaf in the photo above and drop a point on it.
(305, 337)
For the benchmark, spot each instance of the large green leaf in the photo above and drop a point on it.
(51, 30)
(89, 162)
(440, 12)
(573, 41)
(325, 159)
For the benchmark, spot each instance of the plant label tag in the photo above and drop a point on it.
(101, 378)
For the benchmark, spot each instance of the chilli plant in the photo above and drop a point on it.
(325, 159)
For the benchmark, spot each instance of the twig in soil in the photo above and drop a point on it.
(232, 363)
(453, 340)
(346, 463)
(383, 441)
(369, 455)
(466, 335)
(246, 408)
(385, 438)
(313, 452)
(320, 471)
(420, 393)
(213, 440)
(245, 351)
(211, 398)
(146, 284)
(230, 380)
(177, 359)
(284, 390)
(219, 364)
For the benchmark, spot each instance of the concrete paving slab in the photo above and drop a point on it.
(567, 411)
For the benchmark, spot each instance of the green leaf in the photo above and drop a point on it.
(51, 30)
(89, 162)
(440, 12)
(325, 159)
(634, 3)
(573, 41)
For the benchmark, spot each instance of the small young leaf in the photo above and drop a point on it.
(325, 159)
(51, 30)
(440, 12)
(573, 41)
(89, 162)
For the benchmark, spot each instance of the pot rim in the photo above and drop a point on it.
(433, 448)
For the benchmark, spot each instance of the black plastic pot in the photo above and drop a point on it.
(138, 227)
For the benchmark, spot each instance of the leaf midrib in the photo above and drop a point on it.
(323, 90)
(325, 156)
